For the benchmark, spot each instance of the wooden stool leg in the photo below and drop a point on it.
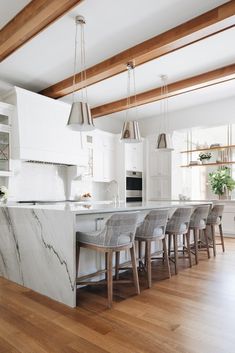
(195, 234)
(169, 245)
(134, 269)
(77, 258)
(117, 265)
(110, 278)
(175, 237)
(148, 263)
(140, 254)
(188, 248)
(146, 253)
(183, 243)
(207, 243)
(166, 256)
(213, 239)
(106, 266)
(221, 237)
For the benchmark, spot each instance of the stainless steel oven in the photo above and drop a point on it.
(134, 186)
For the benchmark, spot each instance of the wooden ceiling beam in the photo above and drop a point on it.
(187, 85)
(30, 21)
(205, 25)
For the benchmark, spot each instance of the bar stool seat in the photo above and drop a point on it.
(97, 238)
(117, 235)
(177, 226)
(197, 225)
(152, 229)
(215, 219)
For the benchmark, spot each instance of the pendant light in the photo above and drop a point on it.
(80, 118)
(130, 131)
(164, 142)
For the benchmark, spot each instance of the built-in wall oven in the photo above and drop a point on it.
(134, 186)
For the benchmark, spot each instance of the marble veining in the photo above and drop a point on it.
(37, 250)
(54, 251)
(15, 243)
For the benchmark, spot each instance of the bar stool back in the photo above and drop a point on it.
(198, 225)
(176, 226)
(152, 229)
(215, 219)
(117, 235)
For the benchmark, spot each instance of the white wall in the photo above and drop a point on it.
(210, 114)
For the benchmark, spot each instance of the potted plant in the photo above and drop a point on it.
(221, 182)
(204, 157)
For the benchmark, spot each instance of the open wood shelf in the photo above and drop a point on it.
(209, 149)
(207, 164)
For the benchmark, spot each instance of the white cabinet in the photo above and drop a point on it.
(39, 129)
(229, 220)
(6, 111)
(134, 156)
(159, 172)
(103, 156)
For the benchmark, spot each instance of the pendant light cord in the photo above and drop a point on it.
(128, 91)
(131, 70)
(164, 104)
(83, 63)
(75, 61)
(80, 22)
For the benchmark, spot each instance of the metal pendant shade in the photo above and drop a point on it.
(164, 142)
(131, 132)
(80, 117)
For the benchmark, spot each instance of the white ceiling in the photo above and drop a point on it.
(9, 8)
(182, 101)
(113, 26)
(206, 55)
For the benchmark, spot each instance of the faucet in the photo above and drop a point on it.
(113, 184)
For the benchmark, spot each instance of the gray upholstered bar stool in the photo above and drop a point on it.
(178, 226)
(152, 229)
(215, 219)
(198, 226)
(117, 235)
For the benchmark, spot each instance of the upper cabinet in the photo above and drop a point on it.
(6, 111)
(158, 172)
(103, 156)
(134, 156)
(39, 129)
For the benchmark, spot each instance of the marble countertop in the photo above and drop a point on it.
(103, 207)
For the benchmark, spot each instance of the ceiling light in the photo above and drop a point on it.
(164, 141)
(80, 118)
(130, 131)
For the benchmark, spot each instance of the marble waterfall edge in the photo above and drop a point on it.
(37, 250)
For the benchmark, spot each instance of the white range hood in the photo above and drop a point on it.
(39, 130)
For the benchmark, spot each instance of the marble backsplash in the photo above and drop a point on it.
(37, 181)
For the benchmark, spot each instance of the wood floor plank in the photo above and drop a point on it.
(193, 312)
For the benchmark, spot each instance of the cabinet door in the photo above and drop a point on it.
(134, 157)
(108, 165)
(103, 158)
(229, 223)
(160, 164)
(4, 150)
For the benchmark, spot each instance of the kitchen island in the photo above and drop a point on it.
(37, 242)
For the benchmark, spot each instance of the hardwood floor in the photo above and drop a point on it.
(193, 312)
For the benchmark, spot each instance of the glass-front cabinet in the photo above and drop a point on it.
(5, 138)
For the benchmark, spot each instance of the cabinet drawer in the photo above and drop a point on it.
(229, 222)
